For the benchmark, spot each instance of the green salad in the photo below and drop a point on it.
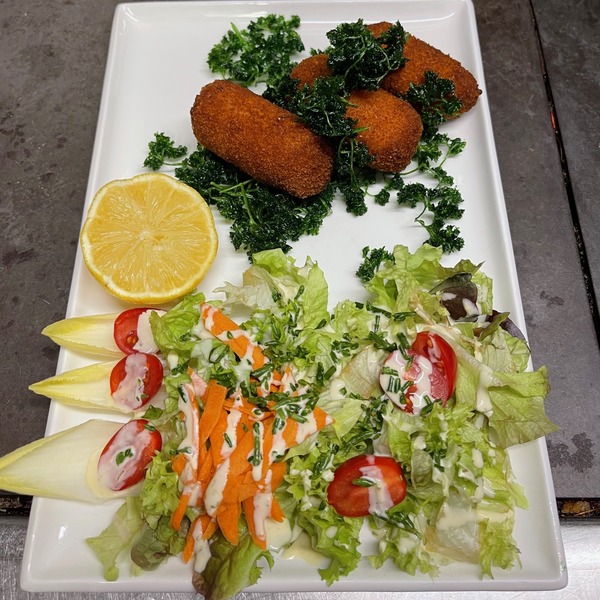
(401, 410)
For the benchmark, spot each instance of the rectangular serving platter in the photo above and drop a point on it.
(156, 65)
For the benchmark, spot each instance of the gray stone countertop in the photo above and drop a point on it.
(540, 59)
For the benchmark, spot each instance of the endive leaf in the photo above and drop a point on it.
(63, 465)
(92, 334)
(87, 387)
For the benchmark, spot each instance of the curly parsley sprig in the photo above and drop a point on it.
(263, 218)
(259, 53)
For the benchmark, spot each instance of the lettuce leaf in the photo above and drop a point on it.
(117, 537)
(171, 330)
(230, 569)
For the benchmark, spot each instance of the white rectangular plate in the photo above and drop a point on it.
(156, 66)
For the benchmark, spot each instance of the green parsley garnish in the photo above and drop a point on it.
(263, 218)
(259, 53)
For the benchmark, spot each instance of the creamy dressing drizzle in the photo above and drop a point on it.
(379, 493)
(419, 374)
(201, 548)
(188, 445)
(146, 341)
(214, 490)
(483, 401)
(302, 548)
(130, 392)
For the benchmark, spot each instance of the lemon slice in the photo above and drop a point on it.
(148, 240)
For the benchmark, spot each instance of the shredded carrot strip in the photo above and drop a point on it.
(179, 512)
(178, 463)
(229, 332)
(277, 513)
(188, 549)
(227, 435)
(209, 526)
(227, 518)
(249, 513)
(213, 404)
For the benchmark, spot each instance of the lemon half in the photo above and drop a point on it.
(150, 239)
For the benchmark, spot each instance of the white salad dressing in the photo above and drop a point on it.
(92, 480)
(120, 460)
(214, 491)
(146, 341)
(263, 502)
(257, 464)
(483, 401)
(306, 429)
(380, 499)
(233, 418)
(130, 392)
(453, 517)
(302, 548)
(420, 376)
(278, 533)
(188, 444)
(201, 548)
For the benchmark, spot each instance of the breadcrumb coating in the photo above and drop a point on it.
(263, 140)
(422, 57)
(390, 127)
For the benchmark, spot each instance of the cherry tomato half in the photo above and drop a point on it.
(365, 485)
(441, 355)
(426, 372)
(126, 329)
(136, 379)
(125, 457)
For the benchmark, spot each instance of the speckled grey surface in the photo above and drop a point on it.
(52, 60)
(52, 66)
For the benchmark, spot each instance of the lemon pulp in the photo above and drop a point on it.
(149, 239)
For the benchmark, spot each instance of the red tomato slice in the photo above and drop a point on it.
(136, 379)
(125, 457)
(425, 373)
(365, 485)
(125, 329)
(443, 359)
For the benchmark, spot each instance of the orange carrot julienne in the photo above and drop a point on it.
(209, 526)
(226, 434)
(206, 469)
(250, 514)
(213, 404)
(179, 512)
(188, 549)
(178, 463)
(277, 513)
(230, 333)
(227, 518)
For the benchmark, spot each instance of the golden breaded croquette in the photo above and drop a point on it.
(390, 127)
(308, 69)
(422, 57)
(264, 140)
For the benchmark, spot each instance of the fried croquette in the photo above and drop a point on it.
(261, 139)
(309, 69)
(389, 127)
(422, 57)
